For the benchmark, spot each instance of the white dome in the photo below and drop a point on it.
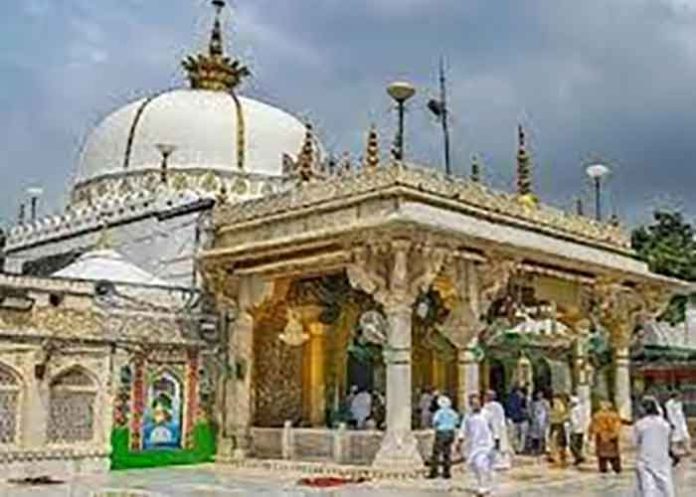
(202, 124)
(108, 265)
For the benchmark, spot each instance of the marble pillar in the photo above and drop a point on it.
(399, 446)
(468, 377)
(622, 383)
(239, 404)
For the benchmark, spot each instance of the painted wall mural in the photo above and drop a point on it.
(162, 420)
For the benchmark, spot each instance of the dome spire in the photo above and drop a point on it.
(214, 71)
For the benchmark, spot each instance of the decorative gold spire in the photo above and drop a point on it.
(524, 171)
(214, 71)
(475, 169)
(524, 180)
(304, 167)
(371, 160)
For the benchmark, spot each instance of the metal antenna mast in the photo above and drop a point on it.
(445, 116)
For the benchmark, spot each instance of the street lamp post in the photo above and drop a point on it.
(166, 150)
(400, 92)
(34, 193)
(596, 172)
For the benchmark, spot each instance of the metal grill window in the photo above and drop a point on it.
(9, 400)
(71, 416)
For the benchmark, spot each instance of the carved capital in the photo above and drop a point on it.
(618, 308)
(493, 276)
(655, 298)
(394, 274)
(462, 322)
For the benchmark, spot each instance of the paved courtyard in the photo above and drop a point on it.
(529, 480)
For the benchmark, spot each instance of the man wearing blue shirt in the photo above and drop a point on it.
(445, 422)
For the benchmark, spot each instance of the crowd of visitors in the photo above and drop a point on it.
(490, 433)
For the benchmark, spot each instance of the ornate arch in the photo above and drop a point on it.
(72, 405)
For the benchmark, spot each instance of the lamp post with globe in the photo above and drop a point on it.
(597, 172)
(400, 92)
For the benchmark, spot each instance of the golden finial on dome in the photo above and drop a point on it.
(214, 71)
(371, 161)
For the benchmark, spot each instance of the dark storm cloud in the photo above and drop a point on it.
(589, 80)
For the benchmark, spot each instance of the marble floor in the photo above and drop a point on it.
(528, 480)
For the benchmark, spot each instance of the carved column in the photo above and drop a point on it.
(395, 275)
(469, 382)
(620, 307)
(240, 296)
(622, 383)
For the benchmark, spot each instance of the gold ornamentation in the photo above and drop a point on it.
(305, 167)
(372, 150)
(293, 334)
(470, 197)
(214, 71)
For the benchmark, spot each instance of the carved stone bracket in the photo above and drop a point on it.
(462, 323)
(494, 276)
(396, 272)
(618, 308)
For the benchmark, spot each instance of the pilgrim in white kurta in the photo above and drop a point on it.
(680, 430)
(478, 449)
(495, 414)
(653, 464)
(360, 408)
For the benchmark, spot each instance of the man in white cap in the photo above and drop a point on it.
(445, 422)
(577, 430)
(495, 414)
(477, 438)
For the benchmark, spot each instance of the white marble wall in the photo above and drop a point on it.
(31, 455)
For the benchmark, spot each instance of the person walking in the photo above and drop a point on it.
(539, 424)
(445, 421)
(426, 399)
(653, 465)
(680, 445)
(495, 414)
(361, 408)
(476, 438)
(557, 437)
(518, 413)
(606, 429)
(577, 426)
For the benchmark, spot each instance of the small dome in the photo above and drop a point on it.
(108, 265)
(206, 127)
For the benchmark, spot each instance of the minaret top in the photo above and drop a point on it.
(214, 71)
(524, 171)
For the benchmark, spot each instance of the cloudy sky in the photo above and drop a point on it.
(590, 80)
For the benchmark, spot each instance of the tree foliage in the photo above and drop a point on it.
(669, 248)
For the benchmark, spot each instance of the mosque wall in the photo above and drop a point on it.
(55, 421)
